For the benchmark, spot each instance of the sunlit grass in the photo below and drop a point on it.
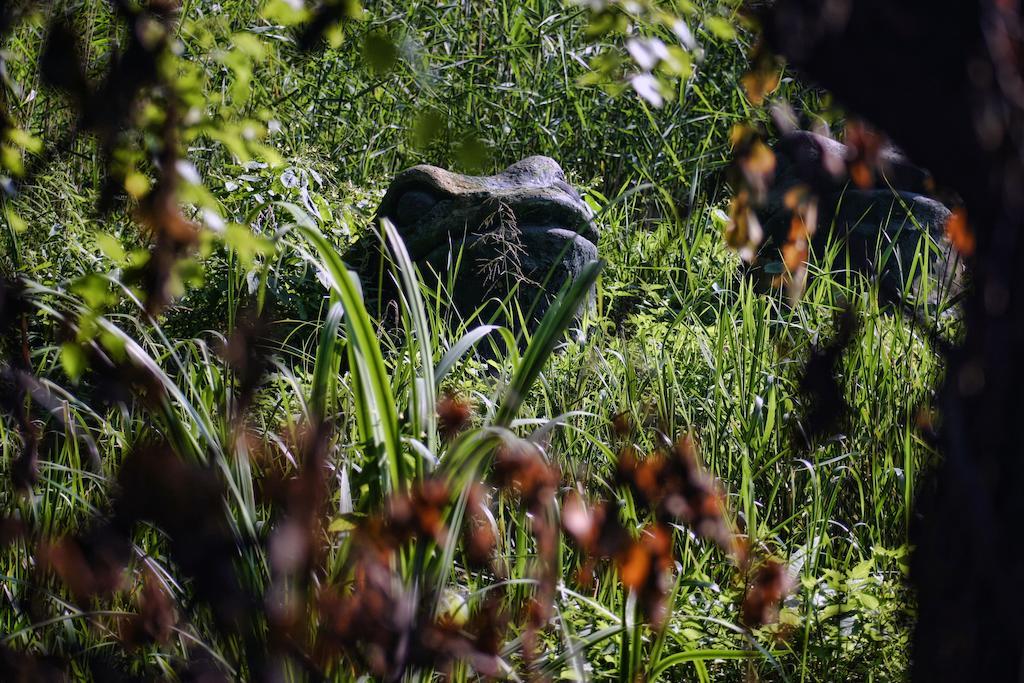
(676, 340)
(691, 349)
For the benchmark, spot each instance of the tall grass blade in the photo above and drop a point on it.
(374, 384)
(424, 395)
(325, 369)
(555, 322)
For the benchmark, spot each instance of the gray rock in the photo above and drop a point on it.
(879, 230)
(522, 232)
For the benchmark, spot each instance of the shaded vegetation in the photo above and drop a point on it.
(219, 463)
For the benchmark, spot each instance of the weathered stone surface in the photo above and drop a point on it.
(879, 229)
(523, 231)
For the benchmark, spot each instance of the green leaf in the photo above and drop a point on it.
(428, 128)
(869, 601)
(94, 290)
(16, 222)
(111, 248)
(136, 184)
(73, 360)
(340, 524)
(380, 52)
(25, 140)
(249, 45)
(246, 244)
(113, 344)
(862, 569)
(721, 28)
(285, 13)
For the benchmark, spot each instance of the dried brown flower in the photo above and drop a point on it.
(418, 514)
(676, 489)
(454, 415)
(19, 667)
(479, 533)
(520, 466)
(768, 587)
(92, 565)
(156, 617)
(622, 424)
(645, 567)
(865, 144)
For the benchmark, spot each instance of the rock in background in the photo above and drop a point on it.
(878, 222)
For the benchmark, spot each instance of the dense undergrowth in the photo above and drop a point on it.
(266, 376)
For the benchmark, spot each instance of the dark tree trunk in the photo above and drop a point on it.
(943, 80)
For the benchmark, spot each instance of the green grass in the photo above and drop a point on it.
(676, 340)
